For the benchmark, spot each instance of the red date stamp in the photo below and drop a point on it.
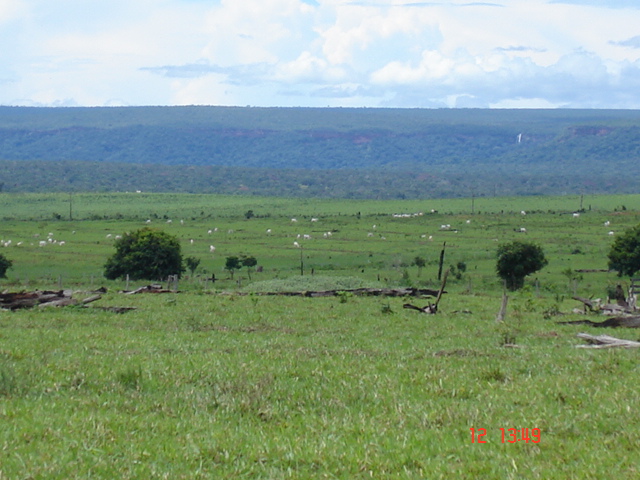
(508, 435)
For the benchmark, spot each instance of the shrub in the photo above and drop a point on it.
(5, 264)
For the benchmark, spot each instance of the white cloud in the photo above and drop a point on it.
(10, 9)
(321, 52)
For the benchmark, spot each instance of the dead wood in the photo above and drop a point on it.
(154, 288)
(90, 299)
(595, 306)
(15, 301)
(67, 301)
(610, 308)
(503, 308)
(18, 300)
(613, 322)
(588, 303)
(376, 292)
(115, 309)
(605, 341)
(431, 308)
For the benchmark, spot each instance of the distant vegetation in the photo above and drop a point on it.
(331, 153)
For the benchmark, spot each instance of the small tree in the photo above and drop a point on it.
(192, 263)
(5, 264)
(624, 256)
(516, 260)
(419, 262)
(147, 254)
(249, 262)
(232, 264)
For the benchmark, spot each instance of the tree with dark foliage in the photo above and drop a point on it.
(148, 254)
(5, 264)
(516, 260)
(624, 256)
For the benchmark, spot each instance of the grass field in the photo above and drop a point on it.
(208, 384)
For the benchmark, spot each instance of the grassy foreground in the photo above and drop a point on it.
(206, 384)
(199, 386)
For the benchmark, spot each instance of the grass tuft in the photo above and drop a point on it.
(131, 378)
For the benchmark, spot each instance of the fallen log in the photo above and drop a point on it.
(69, 301)
(612, 308)
(115, 309)
(605, 341)
(15, 301)
(613, 322)
(18, 300)
(429, 308)
(381, 292)
(149, 289)
(588, 303)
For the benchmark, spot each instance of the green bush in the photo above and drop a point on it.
(516, 260)
(5, 264)
(147, 254)
(624, 256)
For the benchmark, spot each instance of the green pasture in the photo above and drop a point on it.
(206, 383)
(371, 240)
(95, 206)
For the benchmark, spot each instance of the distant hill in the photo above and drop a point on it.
(333, 152)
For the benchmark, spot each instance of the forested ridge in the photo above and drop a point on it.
(333, 152)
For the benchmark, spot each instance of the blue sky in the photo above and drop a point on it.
(317, 53)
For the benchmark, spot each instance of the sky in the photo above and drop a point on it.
(321, 53)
